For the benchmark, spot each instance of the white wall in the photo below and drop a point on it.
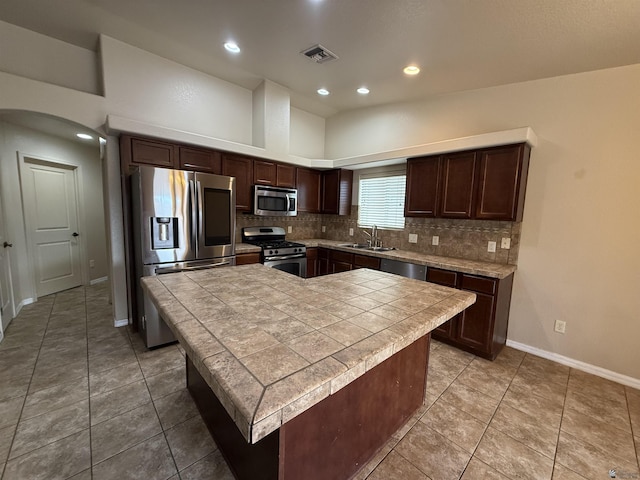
(579, 258)
(306, 134)
(33, 143)
(146, 87)
(43, 58)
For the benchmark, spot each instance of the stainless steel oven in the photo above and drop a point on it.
(277, 252)
(295, 265)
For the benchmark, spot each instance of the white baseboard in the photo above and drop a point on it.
(577, 364)
(23, 303)
(121, 323)
(98, 280)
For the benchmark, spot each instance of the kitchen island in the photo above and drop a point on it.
(303, 378)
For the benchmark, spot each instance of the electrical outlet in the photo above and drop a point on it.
(351, 232)
(560, 326)
(413, 238)
(92, 263)
(435, 240)
(491, 247)
(289, 229)
(324, 228)
(506, 243)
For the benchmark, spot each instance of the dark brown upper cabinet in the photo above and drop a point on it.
(242, 168)
(458, 185)
(486, 184)
(308, 182)
(143, 151)
(502, 181)
(285, 175)
(422, 191)
(264, 173)
(207, 161)
(336, 191)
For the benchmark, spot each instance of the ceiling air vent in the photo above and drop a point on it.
(319, 54)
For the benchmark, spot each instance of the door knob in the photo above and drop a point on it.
(7, 244)
(75, 234)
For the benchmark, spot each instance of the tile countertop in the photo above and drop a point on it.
(494, 270)
(271, 345)
(247, 248)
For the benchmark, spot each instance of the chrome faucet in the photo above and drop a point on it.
(373, 236)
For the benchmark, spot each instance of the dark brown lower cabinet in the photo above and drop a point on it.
(312, 262)
(482, 328)
(247, 258)
(322, 261)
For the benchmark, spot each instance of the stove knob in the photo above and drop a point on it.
(270, 252)
(276, 252)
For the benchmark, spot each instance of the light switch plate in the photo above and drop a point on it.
(413, 238)
(506, 243)
(491, 247)
(351, 232)
(435, 240)
(289, 229)
(324, 228)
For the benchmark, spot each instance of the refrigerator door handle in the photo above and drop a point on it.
(200, 215)
(193, 200)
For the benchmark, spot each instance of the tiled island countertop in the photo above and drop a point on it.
(271, 345)
(473, 267)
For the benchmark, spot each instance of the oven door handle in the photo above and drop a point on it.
(284, 257)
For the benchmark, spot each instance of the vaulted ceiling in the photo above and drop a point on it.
(458, 44)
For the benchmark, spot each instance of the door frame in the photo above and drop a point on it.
(24, 158)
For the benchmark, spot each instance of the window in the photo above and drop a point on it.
(382, 200)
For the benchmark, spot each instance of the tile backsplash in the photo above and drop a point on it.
(466, 239)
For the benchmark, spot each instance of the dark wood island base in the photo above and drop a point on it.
(333, 439)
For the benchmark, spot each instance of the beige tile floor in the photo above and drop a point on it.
(80, 399)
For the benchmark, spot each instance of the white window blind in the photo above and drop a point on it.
(382, 200)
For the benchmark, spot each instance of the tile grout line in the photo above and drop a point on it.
(26, 393)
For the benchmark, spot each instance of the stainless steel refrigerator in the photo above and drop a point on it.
(181, 221)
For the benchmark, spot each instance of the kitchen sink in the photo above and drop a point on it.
(364, 246)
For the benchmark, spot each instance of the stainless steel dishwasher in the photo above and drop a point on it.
(405, 269)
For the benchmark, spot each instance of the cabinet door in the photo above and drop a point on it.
(475, 325)
(285, 176)
(206, 161)
(241, 168)
(308, 182)
(365, 261)
(458, 182)
(312, 262)
(449, 279)
(152, 152)
(264, 173)
(422, 191)
(502, 183)
(323, 261)
(330, 191)
(247, 258)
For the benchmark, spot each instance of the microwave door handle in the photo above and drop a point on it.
(288, 202)
(193, 200)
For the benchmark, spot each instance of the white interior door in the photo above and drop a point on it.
(6, 290)
(51, 211)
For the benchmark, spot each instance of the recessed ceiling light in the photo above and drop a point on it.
(363, 90)
(411, 70)
(84, 136)
(323, 91)
(232, 47)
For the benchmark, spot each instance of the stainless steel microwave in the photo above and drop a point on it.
(275, 201)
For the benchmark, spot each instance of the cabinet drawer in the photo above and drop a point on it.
(341, 256)
(479, 284)
(247, 258)
(312, 253)
(442, 277)
(366, 262)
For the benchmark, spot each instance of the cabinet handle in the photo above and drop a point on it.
(7, 244)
